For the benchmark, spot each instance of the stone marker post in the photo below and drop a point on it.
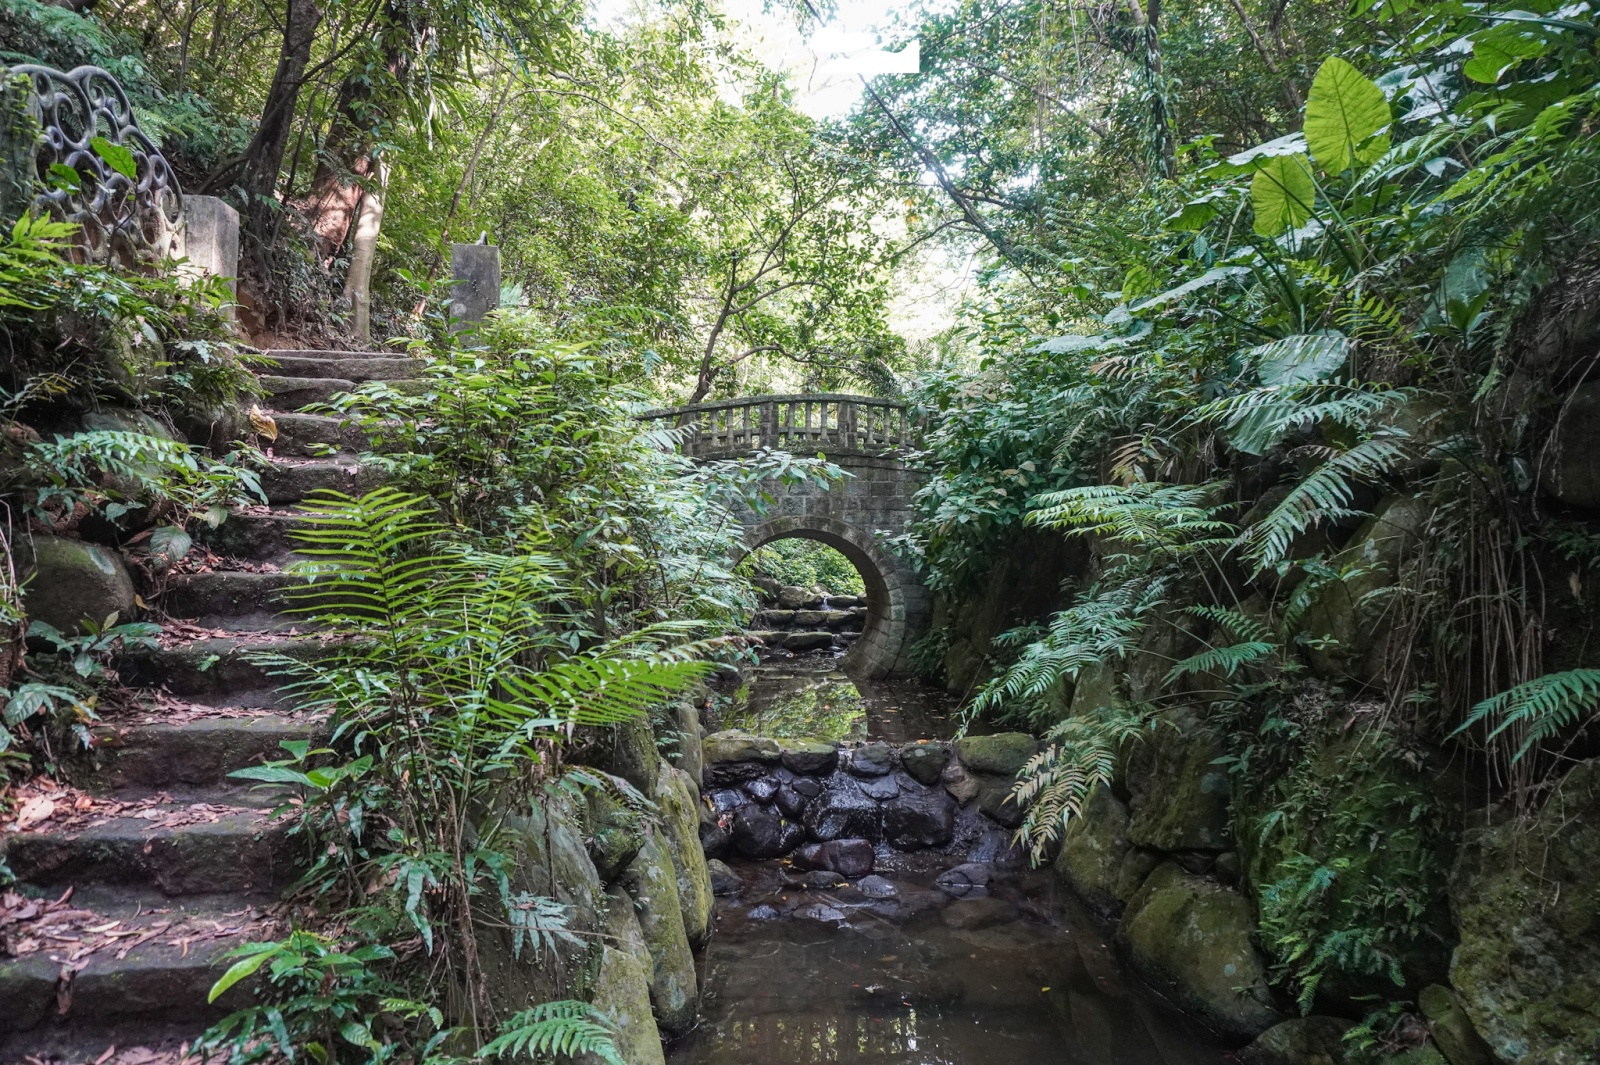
(208, 236)
(476, 290)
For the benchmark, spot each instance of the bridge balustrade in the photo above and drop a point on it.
(828, 422)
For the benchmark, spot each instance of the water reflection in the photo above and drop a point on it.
(814, 699)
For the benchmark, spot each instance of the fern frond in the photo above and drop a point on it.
(1324, 496)
(1145, 514)
(1080, 755)
(1543, 706)
(566, 1029)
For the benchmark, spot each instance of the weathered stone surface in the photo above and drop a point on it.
(1092, 850)
(876, 887)
(1573, 476)
(848, 857)
(66, 581)
(1299, 1041)
(1003, 754)
(994, 799)
(615, 835)
(962, 786)
(808, 641)
(843, 811)
(881, 788)
(872, 760)
(1355, 622)
(680, 822)
(734, 745)
(725, 883)
(794, 597)
(969, 881)
(810, 619)
(790, 802)
(919, 818)
(811, 758)
(1451, 1028)
(1179, 798)
(652, 882)
(761, 789)
(1191, 938)
(475, 281)
(622, 984)
(824, 880)
(973, 914)
(925, 761)
(1526, 900)
(757, 832)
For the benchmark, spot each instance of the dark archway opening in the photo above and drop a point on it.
(813, 600)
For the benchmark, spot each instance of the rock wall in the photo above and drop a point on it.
(834, 807)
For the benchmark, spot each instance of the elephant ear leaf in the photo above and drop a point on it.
(1343, 110)
(1282, 194)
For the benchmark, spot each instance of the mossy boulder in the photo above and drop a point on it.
(1350, 621)
(616, 833)
(1093, 849)
(652, 882)
(925, 760)
(736, 745)
(630, 752)
(1191, 938)
(621, 988)
(1179, 798)
(1300, 1041)
(810, 758)
(1451, 1028)
(680, 824)
(1526, 900)
(1003, 754)
(66, 581)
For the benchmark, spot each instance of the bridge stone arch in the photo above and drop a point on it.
(867, 438)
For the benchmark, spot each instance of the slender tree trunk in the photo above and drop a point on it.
(343, 165)
(363, 249)
(263, 159)
(1163, 148)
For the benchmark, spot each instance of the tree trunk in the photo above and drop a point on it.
(363, 249)
(343, 166)
(263, 160)
(1163, 147)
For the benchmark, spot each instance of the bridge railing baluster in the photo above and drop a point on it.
(804, 423)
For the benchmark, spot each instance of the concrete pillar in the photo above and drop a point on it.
(476, 290)
(208, 236)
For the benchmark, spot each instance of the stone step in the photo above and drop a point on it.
(217, 671)
(180, 852)
(195, 753)
(290, 481)
(171, 953)
(309, 435)
(294, 393)
(351, 367)
(328, 353)
(226, 594)
(256, 536)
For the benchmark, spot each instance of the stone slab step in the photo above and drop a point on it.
(351, 367)
(329, 353)
(172, 954)
(243, 850)
(308, 435)
(218, 671)
(225, 594)
(195, 753)
(293, 393)
(254, 535)
(290, 482)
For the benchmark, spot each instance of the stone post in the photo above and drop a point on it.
(208, 236)
(476, 289)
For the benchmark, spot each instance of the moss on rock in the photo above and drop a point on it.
(680, 822)
(1526, 899)
(622, 985)
(1191, 938)
(1092, 851)
(1002, 754)
(652, 881)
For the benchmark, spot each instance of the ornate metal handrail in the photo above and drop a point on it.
(826, 422)
(120, 218)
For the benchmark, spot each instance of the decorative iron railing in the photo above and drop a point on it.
(826, 422)
(99, 169)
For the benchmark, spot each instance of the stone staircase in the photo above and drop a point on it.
(144, 876)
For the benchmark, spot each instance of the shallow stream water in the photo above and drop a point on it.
(798, 974)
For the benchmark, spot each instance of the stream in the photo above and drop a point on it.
(890, 969)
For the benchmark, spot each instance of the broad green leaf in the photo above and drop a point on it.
(171, 543)
(1192, 216)
(273, 774)
(1297, 359)
(117, 157)
(1497, 50)
(1282, 194)
(1343, 110)
(238, 971)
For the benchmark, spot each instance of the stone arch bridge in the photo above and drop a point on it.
(867, 438)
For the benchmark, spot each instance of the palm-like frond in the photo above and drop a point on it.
(1325, 495)
(1080, 755)
(566, 1029)
(1544, 707)
(1143, 514)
